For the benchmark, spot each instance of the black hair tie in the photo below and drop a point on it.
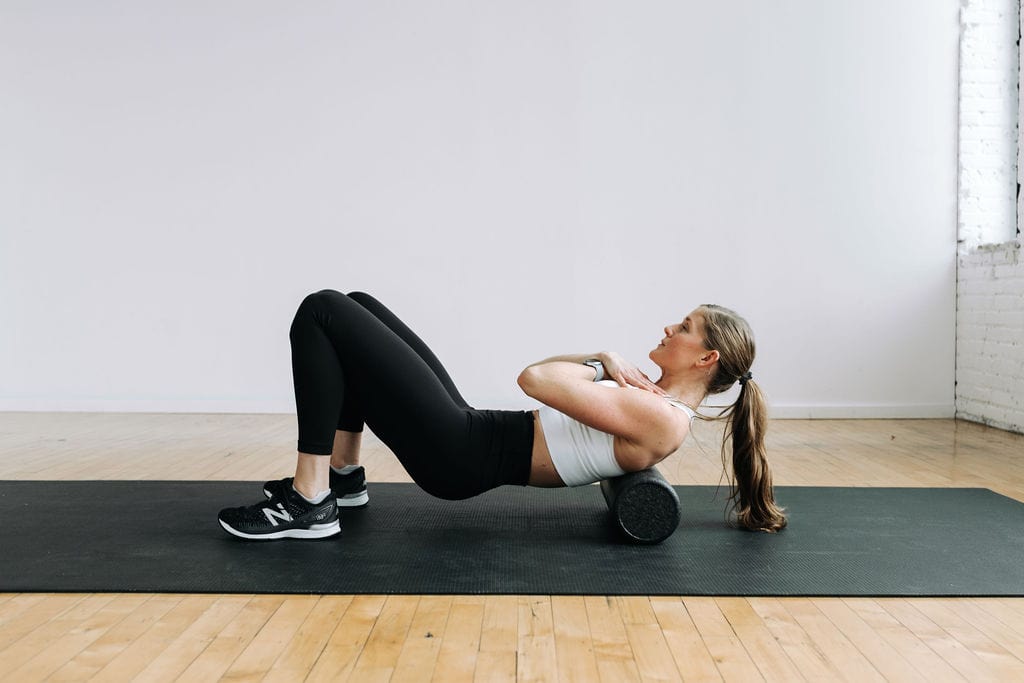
(745, 378)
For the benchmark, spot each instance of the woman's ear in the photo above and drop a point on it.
(709, 358)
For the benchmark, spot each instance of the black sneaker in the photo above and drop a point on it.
(349, 488)
(286, 515)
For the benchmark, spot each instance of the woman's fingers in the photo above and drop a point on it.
(636, 378)
(651, 386)
(626, 374)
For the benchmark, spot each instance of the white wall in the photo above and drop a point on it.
(517, 179)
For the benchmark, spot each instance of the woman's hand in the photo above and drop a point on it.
(626, 374)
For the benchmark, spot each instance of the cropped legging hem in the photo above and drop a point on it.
(316, 449)
(354, 363)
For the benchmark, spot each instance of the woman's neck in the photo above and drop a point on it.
(688, 390)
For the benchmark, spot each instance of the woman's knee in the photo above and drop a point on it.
(319, 298)
(362, 298)
(312, 306)
(325, 295)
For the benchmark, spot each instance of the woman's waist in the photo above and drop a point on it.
(629, 456)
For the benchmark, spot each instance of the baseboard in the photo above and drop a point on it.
(257, 406)
(225, 406)
(863, 412)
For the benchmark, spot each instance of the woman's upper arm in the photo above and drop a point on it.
(633, 414)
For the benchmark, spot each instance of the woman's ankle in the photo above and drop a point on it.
(346, 448)
(312, 475)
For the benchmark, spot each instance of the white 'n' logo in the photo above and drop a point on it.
(282, 515)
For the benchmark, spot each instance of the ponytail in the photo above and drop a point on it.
(751, 493)
(750, 486)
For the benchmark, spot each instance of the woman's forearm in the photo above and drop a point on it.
(568, 367)
(570, 358)
(615, 368)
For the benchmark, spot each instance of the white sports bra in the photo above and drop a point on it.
(581, 454)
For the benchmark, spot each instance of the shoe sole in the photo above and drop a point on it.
(349, 500)
(354, 500)
(314, 531)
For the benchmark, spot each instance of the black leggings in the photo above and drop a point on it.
(355, 362)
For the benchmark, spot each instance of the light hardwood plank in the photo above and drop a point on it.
(905, 641)
(422, 645)
(768, 656)
(801, 649)
(345, 645)
(184, 649)
(574, 651)
(956, 654)
(304, 648)
(212, 663)
(460, 645)
(1007, 611)
(654, 660)
(838, 649)
(32, 612)
(691, 655)
(499, 640)
(614, 654)
(15, 604)
(259, 656)
(948, 615)
(134, 658)
(1008, 638)
(384, 645)
(73, 632)
(99, 653)
(887, 660)
(725, 647)
(537, 652)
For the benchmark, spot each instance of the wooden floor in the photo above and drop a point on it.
(119, 637)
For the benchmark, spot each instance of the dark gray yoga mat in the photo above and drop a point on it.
(163, 536)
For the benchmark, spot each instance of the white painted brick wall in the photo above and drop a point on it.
(990, 270)
(989, 74)
(990, 336)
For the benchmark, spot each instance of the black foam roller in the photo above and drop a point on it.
(642, 505)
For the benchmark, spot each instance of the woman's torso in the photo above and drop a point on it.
(631, 456)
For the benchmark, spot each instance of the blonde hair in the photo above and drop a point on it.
(751, 492)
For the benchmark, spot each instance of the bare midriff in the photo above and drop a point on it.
(542, 469)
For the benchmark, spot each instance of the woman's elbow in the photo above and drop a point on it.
(531, 379)
(526, 379)
(638, 461)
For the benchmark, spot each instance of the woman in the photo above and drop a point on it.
(355, 363)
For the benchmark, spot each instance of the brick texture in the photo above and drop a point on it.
(990, 336)
(989, 75)
(990, 270)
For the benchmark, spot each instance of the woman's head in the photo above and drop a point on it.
(683, 350)
(727, 333)
(713, 344)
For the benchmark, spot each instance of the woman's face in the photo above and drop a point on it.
(683, 343)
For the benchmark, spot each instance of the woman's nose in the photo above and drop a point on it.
(668, 331)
